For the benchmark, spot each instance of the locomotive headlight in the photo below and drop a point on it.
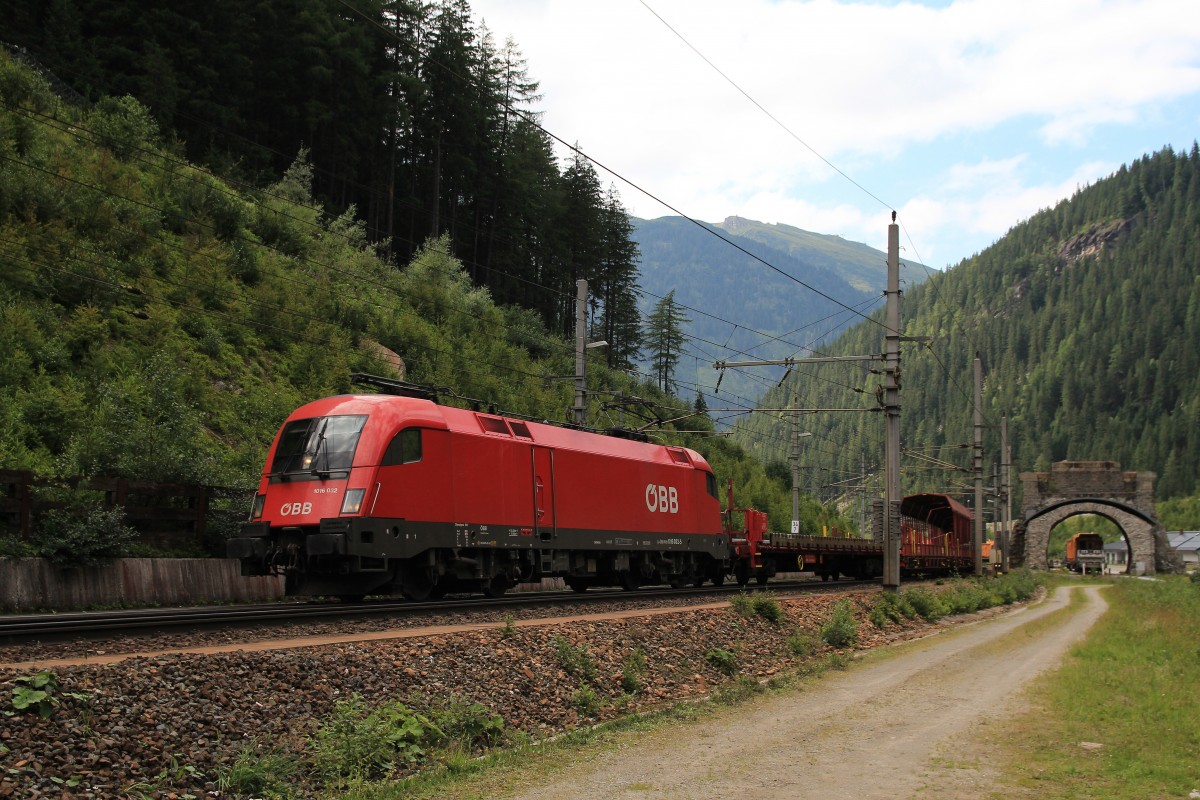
(256, 509)
(353, 502)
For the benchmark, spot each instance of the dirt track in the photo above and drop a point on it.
(880, 730)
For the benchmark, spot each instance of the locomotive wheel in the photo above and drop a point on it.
(351, 598)
(629, 581)
(576, 584)
(761, 579)
(497, 586)
(416, 583)
(741, 574)
(717, 578)
(418, 593)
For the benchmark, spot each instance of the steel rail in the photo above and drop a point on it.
(23, 628)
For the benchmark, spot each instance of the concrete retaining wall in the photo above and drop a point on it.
(33, 584)
(30, 584)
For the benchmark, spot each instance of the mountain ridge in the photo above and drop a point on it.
(1086, 317)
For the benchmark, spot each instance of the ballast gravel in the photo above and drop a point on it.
(173, 725)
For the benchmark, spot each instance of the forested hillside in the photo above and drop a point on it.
(158, 323)
(410, 114)
(737, 304)
(1087, 317)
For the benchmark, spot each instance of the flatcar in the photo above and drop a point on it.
(936, 539)
(395, 493)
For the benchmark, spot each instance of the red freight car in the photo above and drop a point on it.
(381, 493)
(936, 533)
(936, 539)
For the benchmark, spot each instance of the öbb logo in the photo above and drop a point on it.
(662, 498)
(295, 509)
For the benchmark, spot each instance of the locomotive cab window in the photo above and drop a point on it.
(710, 484)
(318, 446)
(404, 449)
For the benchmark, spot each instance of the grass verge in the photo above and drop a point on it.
(499, 772)
(1119, 719)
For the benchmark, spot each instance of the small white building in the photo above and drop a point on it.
(1116, 556)
(1187, 545)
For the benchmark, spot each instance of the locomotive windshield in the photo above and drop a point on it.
(318, 446)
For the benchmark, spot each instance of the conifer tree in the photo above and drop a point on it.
(665, 340)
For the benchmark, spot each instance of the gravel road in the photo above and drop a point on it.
(880, 730)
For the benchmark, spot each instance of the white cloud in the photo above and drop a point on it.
(867, 86)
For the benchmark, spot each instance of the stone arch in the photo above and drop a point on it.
(1091, 487)
(1139, 531)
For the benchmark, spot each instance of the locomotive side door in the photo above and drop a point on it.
(543, 493)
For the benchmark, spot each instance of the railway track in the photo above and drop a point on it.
(24, 628)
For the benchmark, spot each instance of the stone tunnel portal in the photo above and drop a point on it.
(1091, 487)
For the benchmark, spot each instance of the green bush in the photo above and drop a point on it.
(967, 597)
(633, 671)
(39, 692)
(358, 743)
(842, 629)
(35, 693)
(928, 603)
(838, 661)
(763, 604)
(466, 721)
(742, 604)
(801, 644)
(767, 607)
(1020, 584)
(890, 607)
(722, 660)
(255, 773)
(576, 661)
(585, 701)
(15, 547)
(82, 535)
(878, 616)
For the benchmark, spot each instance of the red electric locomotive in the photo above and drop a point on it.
(392, 493)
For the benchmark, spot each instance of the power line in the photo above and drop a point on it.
(760, 107)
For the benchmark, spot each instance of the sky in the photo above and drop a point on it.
(965, 116)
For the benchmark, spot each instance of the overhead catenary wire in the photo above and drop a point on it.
(949, 375)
